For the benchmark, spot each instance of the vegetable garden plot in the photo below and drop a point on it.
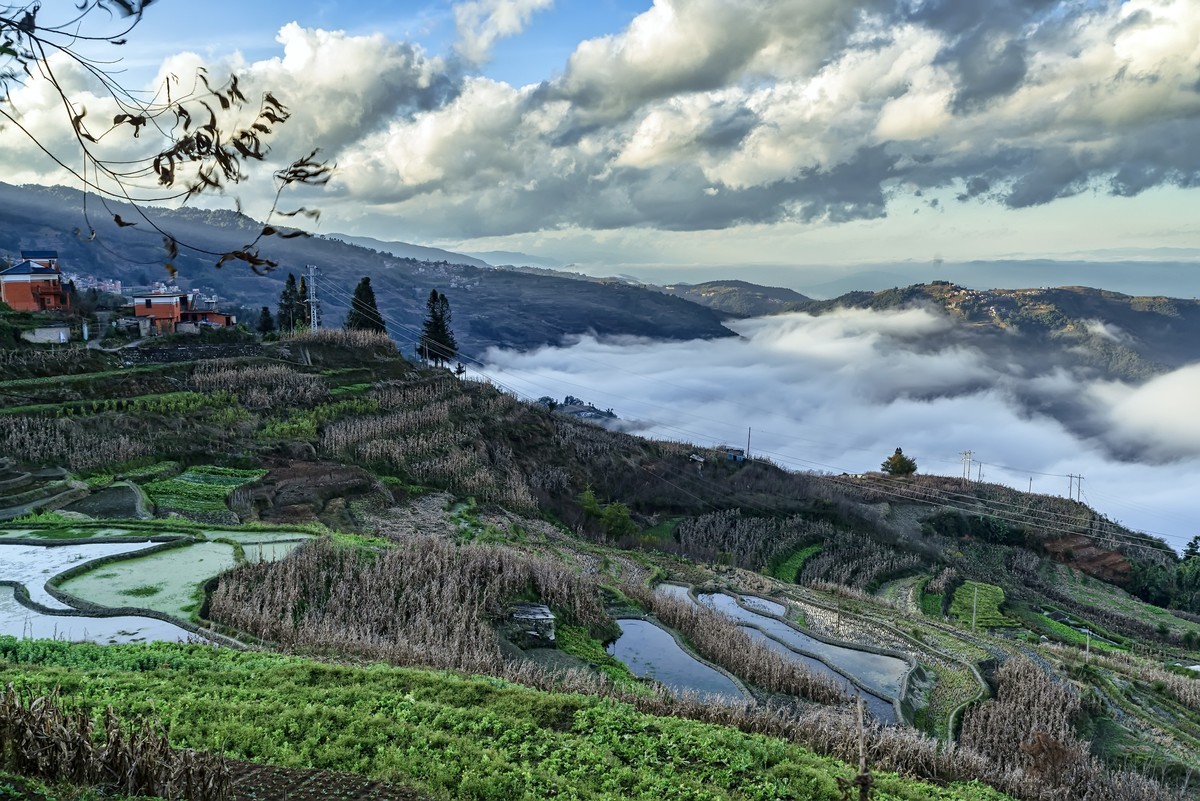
(200, 489)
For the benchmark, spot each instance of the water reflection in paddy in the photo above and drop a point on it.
(879, 708)
(34, 565)
(763, 605)
(20, 621)
(651, 652)
(879, 673)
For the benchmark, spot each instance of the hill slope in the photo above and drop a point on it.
(471, 500)
(1125, 336)
(511, 308)
(741, 298)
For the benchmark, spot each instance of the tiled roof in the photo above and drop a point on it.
(29, 268)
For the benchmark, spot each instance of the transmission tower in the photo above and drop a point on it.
(314, 308)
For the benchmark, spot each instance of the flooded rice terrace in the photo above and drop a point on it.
(879, 673)
(652, 652)
(21, 621)
(120, 577)
(877, 677)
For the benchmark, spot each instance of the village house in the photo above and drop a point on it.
(175, 312)
(34, 284)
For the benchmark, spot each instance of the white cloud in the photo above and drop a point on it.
(1158, 417)
(481, 23)
(840, 391)
(710, 114)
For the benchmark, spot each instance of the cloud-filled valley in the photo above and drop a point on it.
(839, 392)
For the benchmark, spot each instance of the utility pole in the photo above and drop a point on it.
(979, 478)
(747, 442)
(966, 460)
(1074, 487)
(1031, 485)
(975, 608)
(314, 310)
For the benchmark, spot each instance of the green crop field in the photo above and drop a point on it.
(789, 568)
(444, 734)
(988, 614)
(199, 489)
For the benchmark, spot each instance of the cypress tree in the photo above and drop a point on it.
(438, 343)
(364, 314)
(288, 301)
(266, 323)
(899, 465)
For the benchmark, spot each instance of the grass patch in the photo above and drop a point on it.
(988, 614)
(150, 472)
(446, 735)
(200, 489)
(1037, 622)
(169, 403)
(790, 568)
(303, 425)
(144, 591)
(662, 531)
(350, 388)
(578, 641)
(931, 603)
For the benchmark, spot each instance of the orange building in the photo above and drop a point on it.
(180, 312)
(165, 309)
(34, 285)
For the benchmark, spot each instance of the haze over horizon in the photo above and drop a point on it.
(687, 138)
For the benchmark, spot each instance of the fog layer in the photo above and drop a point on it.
(841, 391)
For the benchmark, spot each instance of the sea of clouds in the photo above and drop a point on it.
(839, 392)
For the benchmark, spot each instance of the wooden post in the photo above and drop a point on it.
(864, 776)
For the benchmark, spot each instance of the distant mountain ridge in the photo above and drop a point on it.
(741, 298)
(406, 250)
(1129, 337)
(492, 307)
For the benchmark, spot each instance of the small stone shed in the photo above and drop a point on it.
(530, 625)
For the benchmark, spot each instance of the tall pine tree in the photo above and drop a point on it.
(364, 314)
(289, 305)
(438, 344)
(266, 324)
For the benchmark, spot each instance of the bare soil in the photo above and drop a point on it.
(253, 782)
(301, 492)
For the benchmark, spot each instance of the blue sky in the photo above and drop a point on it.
(681, 137)
(537, 54)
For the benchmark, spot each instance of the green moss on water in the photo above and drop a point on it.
(145, 591)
